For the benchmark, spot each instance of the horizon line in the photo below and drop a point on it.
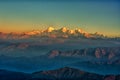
(59, 0)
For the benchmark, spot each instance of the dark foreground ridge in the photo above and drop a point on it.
(65, 73)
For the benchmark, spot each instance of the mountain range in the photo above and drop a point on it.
(97, 60)
(53, 33)
(44, 55)
(65, 73)
(108, 53)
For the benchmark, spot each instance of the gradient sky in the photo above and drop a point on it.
(91, 15)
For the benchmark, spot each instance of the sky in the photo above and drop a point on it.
(91, 15)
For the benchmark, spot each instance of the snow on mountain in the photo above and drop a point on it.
(50, 29)
(52, 33)
(35, 32)
(64, 29)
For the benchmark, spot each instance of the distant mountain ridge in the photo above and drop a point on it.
(99, 52)
(51, 32)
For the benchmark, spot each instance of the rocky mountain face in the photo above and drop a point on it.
(68, 73)
(65, 73)
(100, 52)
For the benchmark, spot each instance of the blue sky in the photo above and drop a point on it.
(92, 15)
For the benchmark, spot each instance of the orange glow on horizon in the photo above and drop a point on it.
(19, 27)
